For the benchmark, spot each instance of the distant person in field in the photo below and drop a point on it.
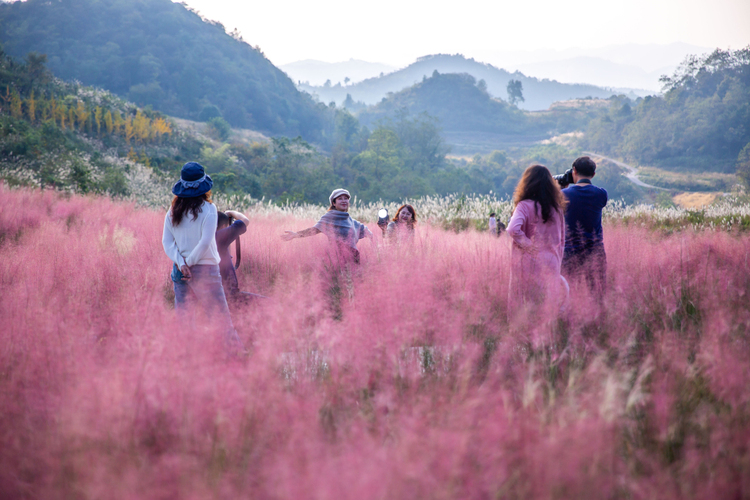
(584, 241)
(401, 228)
(189, 240)
(342, 231)
(537, 230)
(230, 226)
(496, 228)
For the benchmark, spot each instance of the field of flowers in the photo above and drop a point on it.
(403, 378)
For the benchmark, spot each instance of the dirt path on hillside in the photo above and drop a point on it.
(632, 174)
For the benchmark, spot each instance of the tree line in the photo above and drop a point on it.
(74, 113)
(700, 123)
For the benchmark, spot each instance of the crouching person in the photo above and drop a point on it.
(231, 225)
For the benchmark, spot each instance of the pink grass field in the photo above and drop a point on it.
(404, 379)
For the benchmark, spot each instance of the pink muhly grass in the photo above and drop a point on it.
(403, 377)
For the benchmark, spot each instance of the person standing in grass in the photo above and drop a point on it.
(189, 241)
(343, 233)
(584, 242)
(537, 229)
(401, 228)
(496, 228)
(341, 229)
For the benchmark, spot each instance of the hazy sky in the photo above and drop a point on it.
(398, 31)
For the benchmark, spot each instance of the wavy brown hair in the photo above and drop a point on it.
(410, 209)
(181, 206)
(537, 184)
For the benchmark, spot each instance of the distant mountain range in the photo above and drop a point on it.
(600, 72)
(626, 69)
(314, 72)
(538, 94)
(626, 65)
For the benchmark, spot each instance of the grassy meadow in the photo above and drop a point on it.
(407, 377)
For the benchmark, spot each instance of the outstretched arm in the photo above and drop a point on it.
(290, 235)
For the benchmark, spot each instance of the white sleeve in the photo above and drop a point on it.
(208, 234)
(169, 243)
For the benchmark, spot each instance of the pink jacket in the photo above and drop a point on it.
(537, 250)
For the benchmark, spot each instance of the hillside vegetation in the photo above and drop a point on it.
(159, 53)
(84, 139)
(461, 104)
(81, 139)
(701, 123)
(456, 101)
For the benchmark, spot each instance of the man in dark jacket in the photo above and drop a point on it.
(584, 240)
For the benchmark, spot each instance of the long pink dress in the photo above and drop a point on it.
(536, 254)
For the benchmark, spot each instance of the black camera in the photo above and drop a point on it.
(565, 179)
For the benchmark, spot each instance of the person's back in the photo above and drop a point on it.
(584, 240)
(537, 230)
(583, 217)
(529, 230)
(190, 238)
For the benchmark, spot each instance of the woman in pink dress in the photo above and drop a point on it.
(537, 229)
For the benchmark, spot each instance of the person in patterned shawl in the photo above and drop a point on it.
(342, 231)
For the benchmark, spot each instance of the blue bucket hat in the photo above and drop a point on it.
(194, 181)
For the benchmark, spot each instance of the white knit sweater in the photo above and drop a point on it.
(192, 242)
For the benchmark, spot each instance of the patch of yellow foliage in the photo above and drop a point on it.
(695, 200)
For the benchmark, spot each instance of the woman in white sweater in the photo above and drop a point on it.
(189, 241)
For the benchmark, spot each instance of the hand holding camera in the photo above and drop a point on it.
(565, 179)
(383, 219)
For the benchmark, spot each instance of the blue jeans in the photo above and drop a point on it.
(206, 289)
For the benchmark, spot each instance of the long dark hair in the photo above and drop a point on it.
(537, 184)
(181, 206)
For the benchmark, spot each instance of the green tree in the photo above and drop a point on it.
(219, 129)
(209, 111)
(515, 92)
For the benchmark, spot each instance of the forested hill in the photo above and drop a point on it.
(159, 53)
(463, 106)
(538, 94)
(701, 123)
(454, 99)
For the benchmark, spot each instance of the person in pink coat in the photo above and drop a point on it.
(537, 229)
